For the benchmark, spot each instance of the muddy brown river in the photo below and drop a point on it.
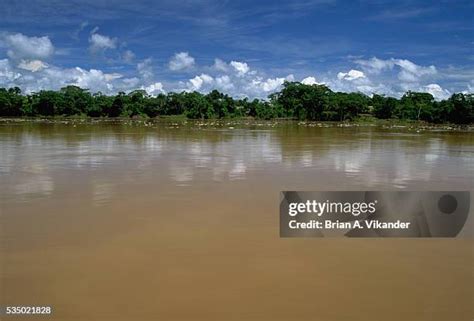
(173, 220)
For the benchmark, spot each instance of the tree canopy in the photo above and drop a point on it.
(295, 100)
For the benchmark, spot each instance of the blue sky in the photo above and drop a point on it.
(244, 48)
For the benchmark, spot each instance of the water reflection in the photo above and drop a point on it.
(34, 186)
(182, 175)
(34, 160)
(102, 192)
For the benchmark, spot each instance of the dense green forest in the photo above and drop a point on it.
(295, 100)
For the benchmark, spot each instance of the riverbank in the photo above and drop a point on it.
(232, 123)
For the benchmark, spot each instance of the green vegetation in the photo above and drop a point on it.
(295, 100)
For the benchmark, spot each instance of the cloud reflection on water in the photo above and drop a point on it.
(30, 163)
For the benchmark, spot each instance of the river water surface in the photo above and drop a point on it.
(166, 220)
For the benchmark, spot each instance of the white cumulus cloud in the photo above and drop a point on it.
(32, 65)
(24, 47)
(98, 42)
(181, 61)
(309, 81)
(145, 69)
(351, 75)
(220, 65)
(437, 91)
(224, 83)
(271, 84)
(197, 82)
(241, 67)
(154, 89)
(408, 70)
(93, 78)
(28, 66)
(375, 65)
(7, 74)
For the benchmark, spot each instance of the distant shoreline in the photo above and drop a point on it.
(294, 101)
(394, 124)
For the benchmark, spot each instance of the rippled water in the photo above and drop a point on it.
(180, 221)
(34, 157)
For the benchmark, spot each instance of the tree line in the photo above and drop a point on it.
(295, 101)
